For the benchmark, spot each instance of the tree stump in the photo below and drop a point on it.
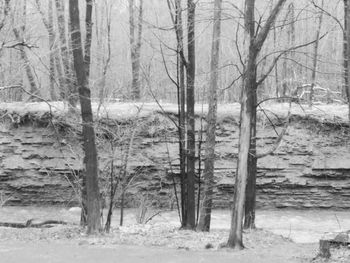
(325, 246)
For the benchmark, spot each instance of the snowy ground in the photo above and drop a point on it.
(162, 238)
(301, 226)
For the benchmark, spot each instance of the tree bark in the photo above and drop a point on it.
(135, 48)
(250, 200)
(191, 138)
(89, 145)
(346, 52)
(247, 117)
(235, 238)
(88, 37)
(205, 213)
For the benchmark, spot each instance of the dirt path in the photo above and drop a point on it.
(67, 252)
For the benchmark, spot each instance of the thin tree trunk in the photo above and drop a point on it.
(276, 67)
(52, 53)
(181, 104)
(191, 143)
(68, 91)
(315, 58)
(102, 90)
(122, 200)
(291, 39)
(89, 145)
(205, 213)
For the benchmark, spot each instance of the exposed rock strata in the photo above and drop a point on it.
(311, 168)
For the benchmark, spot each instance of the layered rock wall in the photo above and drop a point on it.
(311, 168)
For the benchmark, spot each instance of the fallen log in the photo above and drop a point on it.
(29, 224)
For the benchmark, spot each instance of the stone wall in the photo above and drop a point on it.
(311, 168)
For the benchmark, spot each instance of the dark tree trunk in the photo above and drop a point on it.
(122, 200)
(346, 51)
(135, 47)
(88, 25)
(249, 217)
(181, 108)
(89, 145)
(191, 143)
(205, 213)
(87, 60)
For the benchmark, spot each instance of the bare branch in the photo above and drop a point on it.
(261, 80)
(280, 136)
(270, 20)
(328, 14)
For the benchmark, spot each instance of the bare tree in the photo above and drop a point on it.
(248, 116)
(181, 63)
(191, 137)
(205, 214)
(89, 145)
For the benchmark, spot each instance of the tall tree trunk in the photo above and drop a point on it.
(346, 51)
(247, 117)
(191, 137)
(205, 213)
(135, 48)
(87, 61)
(235, 238)
(181, 108)
(315, 58)
(89, 145)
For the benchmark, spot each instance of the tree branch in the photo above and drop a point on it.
(261, 80)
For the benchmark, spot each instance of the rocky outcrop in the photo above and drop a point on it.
(35, 168)
(41, 164)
